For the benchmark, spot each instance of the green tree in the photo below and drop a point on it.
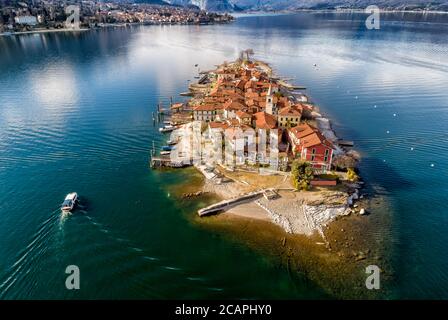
(302, 174)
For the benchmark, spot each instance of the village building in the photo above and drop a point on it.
(204, 113)
(246, 107)
(265, 121)
(310, 145)
(271, 106)
(177, 107)
(289, 117)
(244, 117)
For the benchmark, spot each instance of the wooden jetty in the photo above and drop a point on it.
(227, 204)
(346, 143)
(165, 161)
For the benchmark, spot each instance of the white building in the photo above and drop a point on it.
(28, 20)
(204, 113)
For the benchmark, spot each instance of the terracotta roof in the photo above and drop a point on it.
(314, 139)
(238, 131)
(310, 136)
(231, 105)
(289, 111)
(264, 120)
(217, 125)
(240, 84)
(252, 95)
(225, 71)
(233, 122)
(176, 105)
(302, 130)
(206, 107)
(242, 114)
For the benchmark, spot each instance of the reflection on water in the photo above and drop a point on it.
(75, 114)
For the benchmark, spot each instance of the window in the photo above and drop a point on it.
(327, 152)
(313, 151)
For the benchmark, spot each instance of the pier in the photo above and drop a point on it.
(346, 143)
(159, 162)
(227, 204)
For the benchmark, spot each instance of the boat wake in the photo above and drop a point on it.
(47, 239)
(26, 258)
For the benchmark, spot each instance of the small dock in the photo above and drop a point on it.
(227, 204)
(290, 86)
(346, 143)
(159, 162)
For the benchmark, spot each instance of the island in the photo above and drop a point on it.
(264, 149)
(272, 173)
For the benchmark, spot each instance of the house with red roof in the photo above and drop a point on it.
(309, 144)
(263, 120)
(231, 107)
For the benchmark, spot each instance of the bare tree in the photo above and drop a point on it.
(249, 52)
(241, 55)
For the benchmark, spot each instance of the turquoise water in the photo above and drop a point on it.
(75, 115)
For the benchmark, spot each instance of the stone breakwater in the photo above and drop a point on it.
(306, 213)
(320, 216)
(276, 218)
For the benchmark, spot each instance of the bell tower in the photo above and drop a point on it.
(271, 107)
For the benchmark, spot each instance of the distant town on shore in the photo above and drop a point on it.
(25, 16)
(40, 15)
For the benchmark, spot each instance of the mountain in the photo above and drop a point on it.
(160, 2)
(269, 5)
(210, 5)
(329, 4)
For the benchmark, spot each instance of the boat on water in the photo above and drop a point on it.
(165, 153)
(69, 202)
(167, 128)
(167, 148)
(171, 142)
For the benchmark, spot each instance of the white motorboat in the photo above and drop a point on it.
(171, 142)
(69, 202)
(167, 128)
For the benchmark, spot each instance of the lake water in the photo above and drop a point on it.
(75, 115)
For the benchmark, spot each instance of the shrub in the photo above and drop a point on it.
(302, 174)
(351, 175)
